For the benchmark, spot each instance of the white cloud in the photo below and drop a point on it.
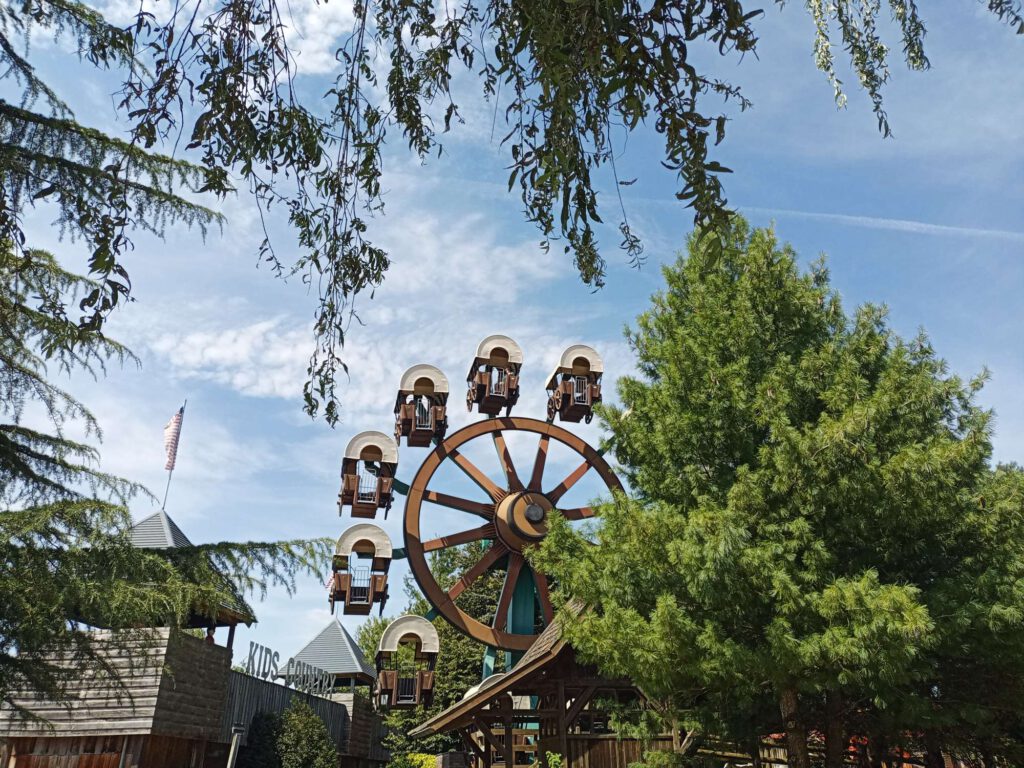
(898, 225)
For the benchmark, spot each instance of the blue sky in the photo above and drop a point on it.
(928, 222)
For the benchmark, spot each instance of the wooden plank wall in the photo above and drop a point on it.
(173, 684)
(95, 706)
(366, 728)
(193, 690)
(248, 695)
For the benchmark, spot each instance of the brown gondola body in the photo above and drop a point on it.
(405, 683)
(421, 410)
(573, 399)
(492, 384)
(367, 474)
(574, 387)
(359, 587)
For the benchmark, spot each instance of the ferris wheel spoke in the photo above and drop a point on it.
(462, 537)
(537, 476)
(478, 477)
(491, 556)
(563, 487)
(456, 502)
(544, 596)
(514, 483)
(579, 513)
(508, 588)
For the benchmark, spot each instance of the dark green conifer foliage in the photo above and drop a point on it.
(304, 741)
(815, 540)
(65, 556)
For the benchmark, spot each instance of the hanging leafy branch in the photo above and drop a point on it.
(571, 79)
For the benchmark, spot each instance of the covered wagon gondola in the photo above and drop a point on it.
(574, 387)
(367, 474)
(420, 409)
(360, 565)
(493, 379)
(405, 663)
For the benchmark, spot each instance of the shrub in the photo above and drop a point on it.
(303, 741)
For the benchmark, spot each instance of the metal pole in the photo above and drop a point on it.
(167, 490)
(236, 735)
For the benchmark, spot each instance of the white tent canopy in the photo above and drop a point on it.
(497, 341)
(424, 371)
(409, 625)
(365, 532)
(384, 443)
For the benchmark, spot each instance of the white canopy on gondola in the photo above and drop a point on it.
(385, 445)
(404, 626)
(579, 359)
(365, 533)
(413, 380)
(491, 344)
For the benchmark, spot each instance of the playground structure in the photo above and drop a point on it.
(513, 516)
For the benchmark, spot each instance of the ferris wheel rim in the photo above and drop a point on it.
(416, 549)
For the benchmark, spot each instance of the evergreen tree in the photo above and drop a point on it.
(815, 540)
(304, 741)
(261, 742)
(566, 76)
(65, 556)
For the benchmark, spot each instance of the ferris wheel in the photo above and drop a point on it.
(511, 512)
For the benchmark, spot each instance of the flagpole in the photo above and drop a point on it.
(170, 472)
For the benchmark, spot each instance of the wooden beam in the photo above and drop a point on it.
(563, 742)
(577, 706)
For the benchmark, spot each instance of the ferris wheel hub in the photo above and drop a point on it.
(521, 519)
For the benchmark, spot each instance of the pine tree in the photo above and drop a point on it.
(65, 557)
(815, 542)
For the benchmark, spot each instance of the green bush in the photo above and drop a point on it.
(303, 741)
(413, 760)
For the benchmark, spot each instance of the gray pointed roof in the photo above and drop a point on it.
(158, 531)
(333, 650)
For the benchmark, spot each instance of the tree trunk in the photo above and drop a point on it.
(835, 732)
(796, 733)
(933, 751)
(879, 752)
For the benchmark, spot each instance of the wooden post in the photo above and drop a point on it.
(231, 636)
(561, 725)
(121, 763)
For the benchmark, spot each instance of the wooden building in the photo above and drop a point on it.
(550, 702)
(175, 699)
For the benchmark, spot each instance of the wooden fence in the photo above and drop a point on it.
(248, 696)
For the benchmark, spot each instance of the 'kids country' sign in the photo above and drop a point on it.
(264, 663)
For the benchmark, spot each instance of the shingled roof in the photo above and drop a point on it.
(158, 531)
(333, 650)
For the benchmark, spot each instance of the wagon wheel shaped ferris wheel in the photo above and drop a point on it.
(514, 518)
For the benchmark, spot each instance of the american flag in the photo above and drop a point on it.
(172, 433)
